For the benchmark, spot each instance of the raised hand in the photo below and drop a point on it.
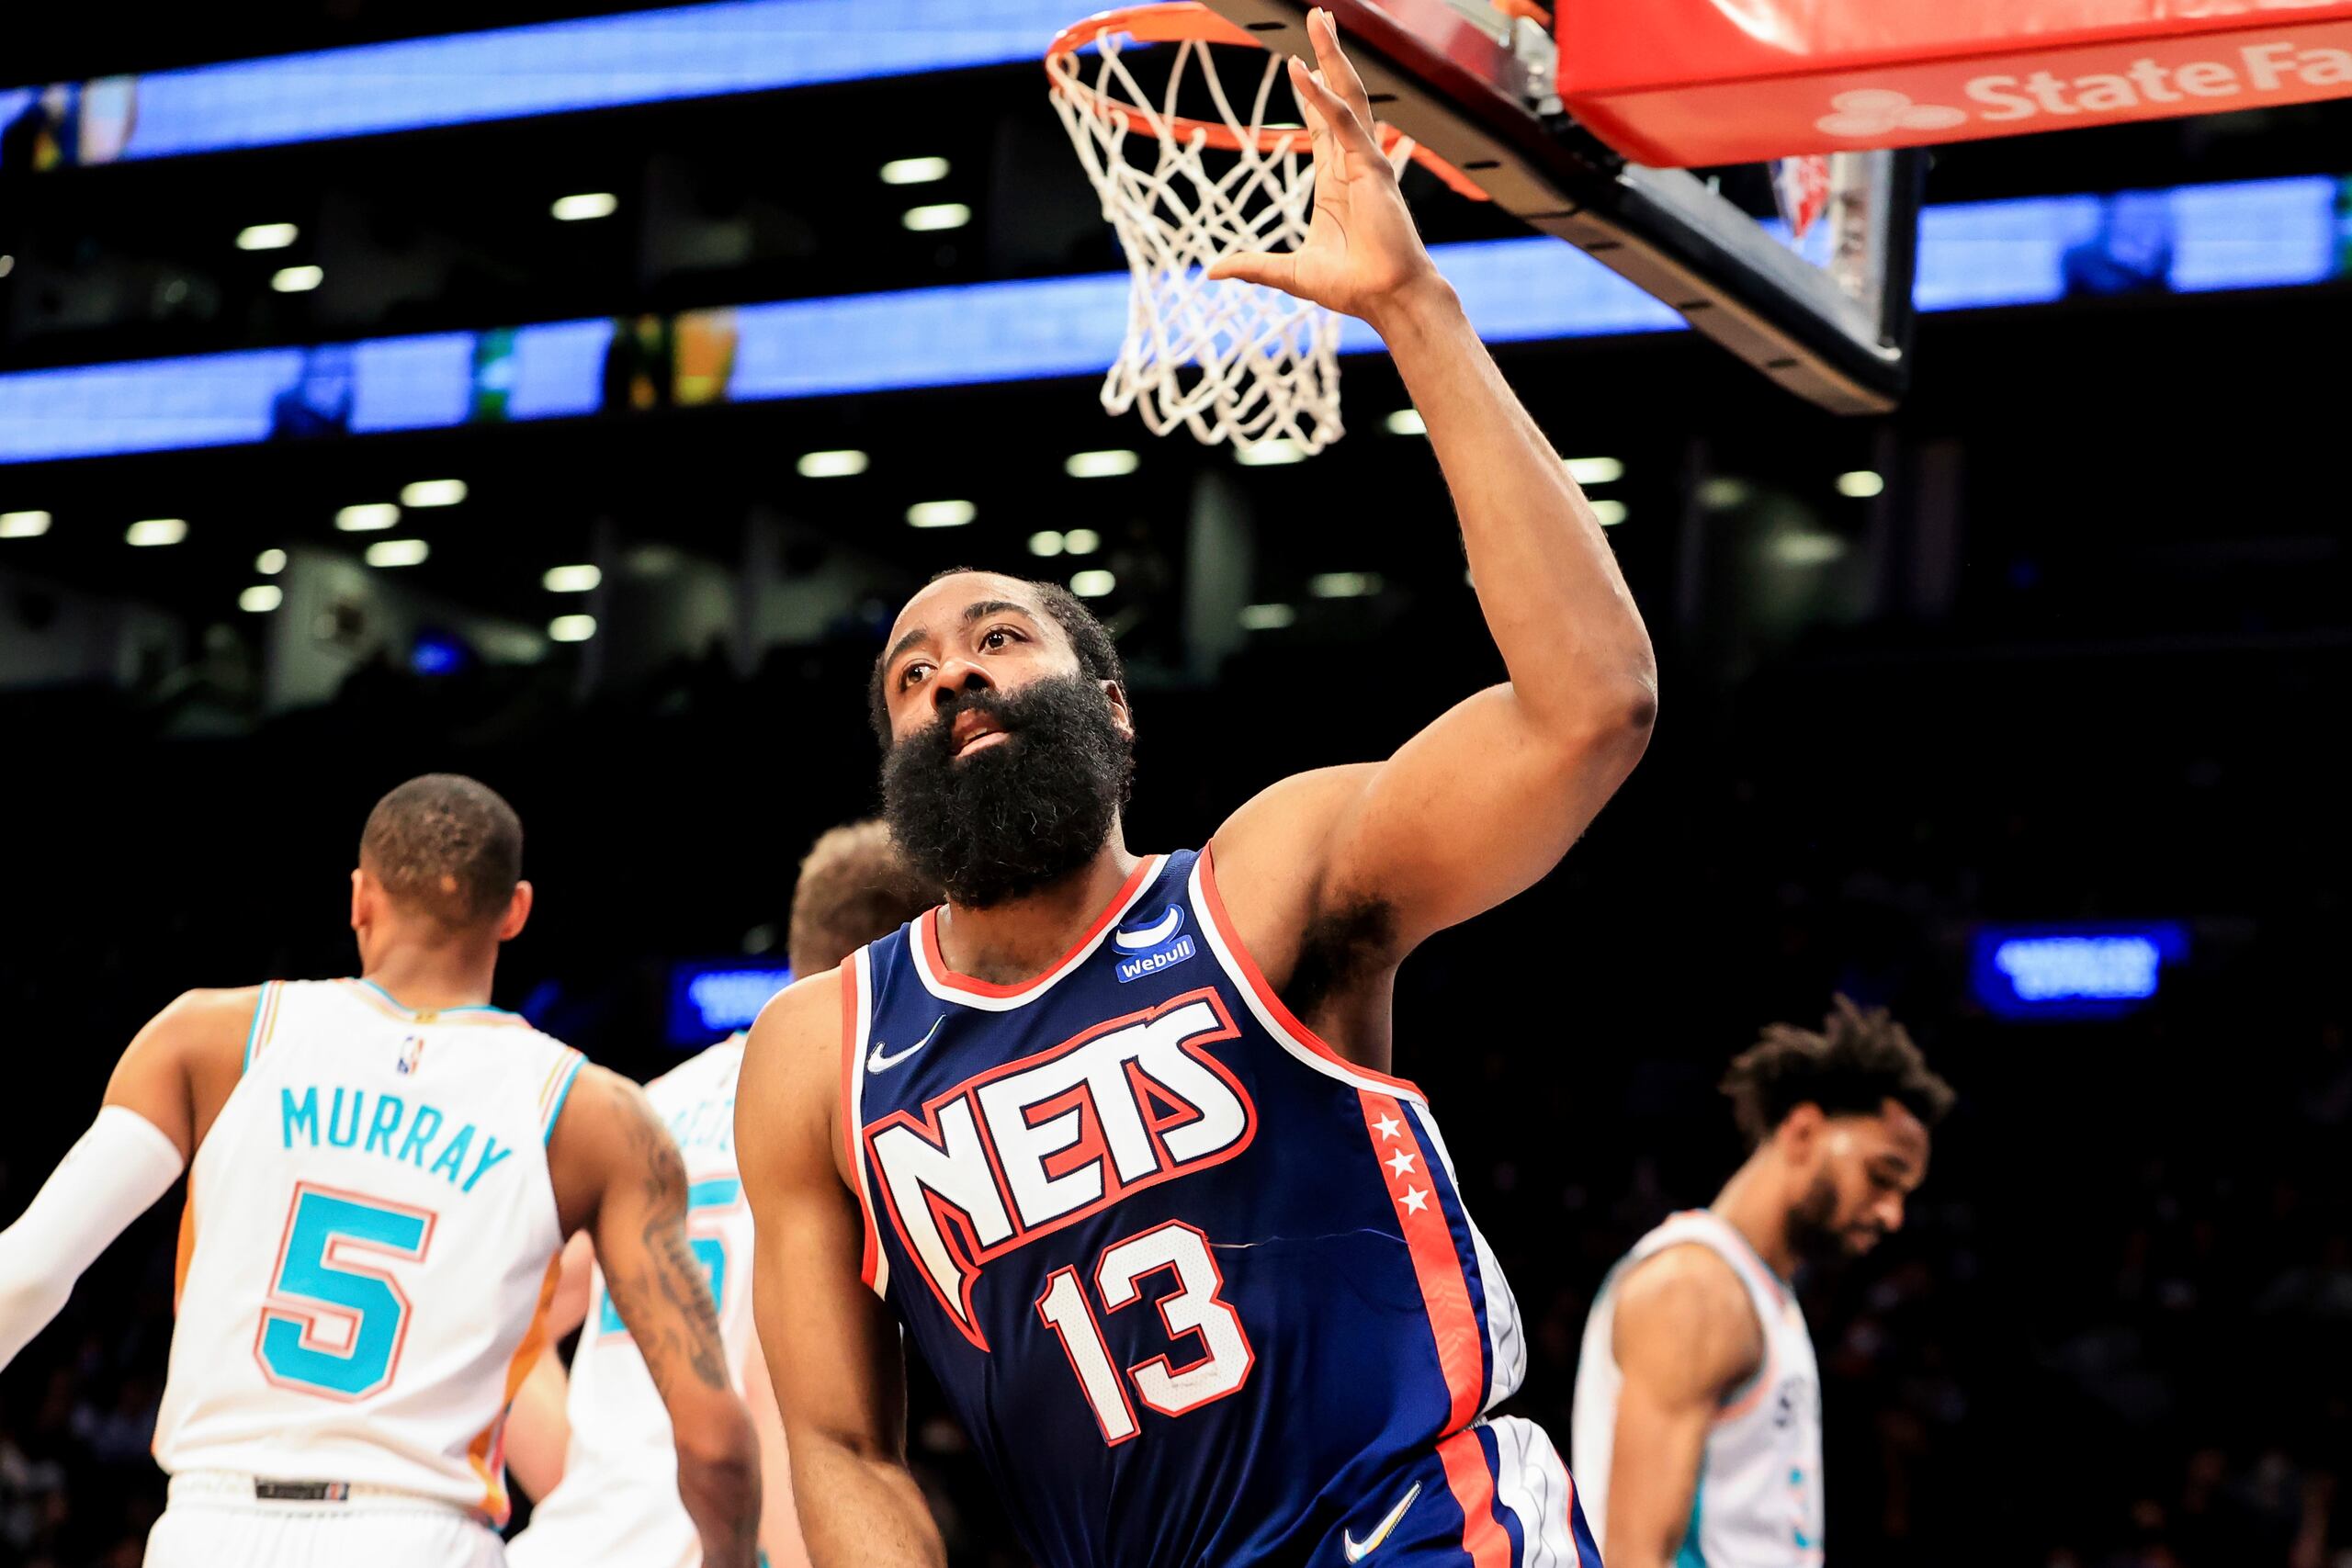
(1362, 252)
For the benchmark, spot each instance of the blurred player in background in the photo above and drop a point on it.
(1112, 1136)
(384, 1171)
(595, 1456)
(1698, 1404)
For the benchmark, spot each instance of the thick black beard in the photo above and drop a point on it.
(1020, 814)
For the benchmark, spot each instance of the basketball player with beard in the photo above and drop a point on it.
(1112, 1137)
(1698, 1405)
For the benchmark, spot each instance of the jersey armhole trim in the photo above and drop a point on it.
(559, 1090)
(264, 1020)
(1269, 1006)
(873, 1267)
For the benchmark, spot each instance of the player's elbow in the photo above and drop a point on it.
(718, 1454)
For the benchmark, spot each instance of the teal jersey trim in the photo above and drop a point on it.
(555, 1111)
(252, 1030)
(412, 1012)
(1690, 1556)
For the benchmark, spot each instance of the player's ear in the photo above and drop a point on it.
(519, 912)
(1122, 715)
(362, 898)
(1799, 1134)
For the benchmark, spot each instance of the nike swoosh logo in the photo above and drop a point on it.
(1358, 1550)
(1151, 936)
(879, 1061)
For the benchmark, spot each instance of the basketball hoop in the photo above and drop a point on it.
(1226, 360)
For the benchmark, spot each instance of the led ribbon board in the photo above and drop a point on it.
(711, 1000)
(2073, 971)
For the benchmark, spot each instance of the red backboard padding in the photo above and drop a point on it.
(1678, 83)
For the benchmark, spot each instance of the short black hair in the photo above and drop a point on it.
(1860, 1060)
(1098, 655)
(447, 846)
(855, 887)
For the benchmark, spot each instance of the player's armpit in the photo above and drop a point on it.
(1685, 1336)
(832, 1348)
(611, 1145)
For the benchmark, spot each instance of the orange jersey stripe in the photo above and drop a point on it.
(1445, 1293)
(487, 1452)
(1473, 1485)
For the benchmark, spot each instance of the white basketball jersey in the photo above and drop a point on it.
(1759, 1497)
(618, 1502)
(369, 1247)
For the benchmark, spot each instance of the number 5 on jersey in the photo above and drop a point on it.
(334, 1324)
(1193, 1307)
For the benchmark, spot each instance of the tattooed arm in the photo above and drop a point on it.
(619, 1173)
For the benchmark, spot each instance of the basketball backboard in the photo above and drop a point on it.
(1474, 83)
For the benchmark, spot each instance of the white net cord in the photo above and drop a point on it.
(1226, 360)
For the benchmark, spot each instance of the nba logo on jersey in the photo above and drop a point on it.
(1150, 946)
(412, 1053)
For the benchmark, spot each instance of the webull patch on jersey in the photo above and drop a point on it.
(1149, 946)
(393, 1128)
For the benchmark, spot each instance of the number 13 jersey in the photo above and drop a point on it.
(1197, 1288)
(369, 1248)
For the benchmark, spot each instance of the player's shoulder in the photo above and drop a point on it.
(210, 1020)
(1273, 819)
(807, 1010)
(1687, 1300)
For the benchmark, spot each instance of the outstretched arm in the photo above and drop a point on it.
(1484, 801)
(155, 1111)
(611, 1142)
(1685, 1335)
(832, 1347)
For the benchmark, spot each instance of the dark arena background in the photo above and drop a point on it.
(338, 446)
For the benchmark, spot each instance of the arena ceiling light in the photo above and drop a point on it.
(152, 531)
(1081, 541)
(1807, 549)
(1270, 453)
(433, 492)
(367, 518)
(1723, 492)
(831, 465)
(1046, 542)
(260, 598)
(941, 513)
(938, 215)
(1608, 512)
(397, 552)
(297, 279)
(1093, 584)
(1861, 485)
(1343, 585)
(267, 236)
(586, 205)
(23, 525)
(1267, 618)
(913, 171)
(1405, 421)
(571, 628)
(1596, 470)
(1108, 465)
(269, 563)
(580, 579)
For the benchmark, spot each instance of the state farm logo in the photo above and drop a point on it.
(2280, 69)
(1871, 112)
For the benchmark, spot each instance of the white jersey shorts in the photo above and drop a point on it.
(217, 1519)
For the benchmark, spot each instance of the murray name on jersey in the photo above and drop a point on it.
(1124, 1105)
(411, 1132)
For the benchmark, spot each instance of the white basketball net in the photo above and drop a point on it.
(1226, 360)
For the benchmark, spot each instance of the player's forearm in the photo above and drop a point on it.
(718, 1480)
(861, 1509)
(1557, 607)
(107, 1180)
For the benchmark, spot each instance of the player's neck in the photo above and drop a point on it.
(1753, 1205)
(432, 978)
(1013, 943)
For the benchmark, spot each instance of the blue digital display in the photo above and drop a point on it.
(2076, 971)
(643, 57)
(2256, 234)
(708, 1001)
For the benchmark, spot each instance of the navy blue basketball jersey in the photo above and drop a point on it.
(1201, 1290)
